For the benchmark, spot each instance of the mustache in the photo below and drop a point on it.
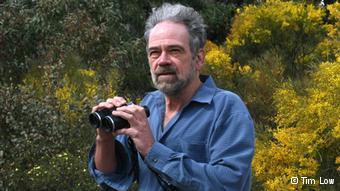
(165, 69)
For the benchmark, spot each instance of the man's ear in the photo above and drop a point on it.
(200, 59)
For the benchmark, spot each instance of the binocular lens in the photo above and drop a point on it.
(113, 123)
(108, 124)
(95, 120)
(105, 120)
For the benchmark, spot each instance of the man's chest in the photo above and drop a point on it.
(185, 132)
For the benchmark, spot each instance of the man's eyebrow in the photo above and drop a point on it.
(153, 48)
(175, 46)
(167, 47)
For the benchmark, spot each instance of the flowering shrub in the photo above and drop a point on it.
(291, 29)
(218, 64)
(306, 141)
(329, 48)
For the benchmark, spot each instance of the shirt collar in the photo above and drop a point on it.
(206, 92)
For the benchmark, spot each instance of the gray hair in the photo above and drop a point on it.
(180, 14)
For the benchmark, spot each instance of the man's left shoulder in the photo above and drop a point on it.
(222, 94)
(230, 100)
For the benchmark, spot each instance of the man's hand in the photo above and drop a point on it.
(139, 130)
(108, 104)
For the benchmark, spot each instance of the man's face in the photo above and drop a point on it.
(171, 62)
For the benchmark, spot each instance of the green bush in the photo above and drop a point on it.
(34, 133)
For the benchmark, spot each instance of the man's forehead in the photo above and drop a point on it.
(168, 34)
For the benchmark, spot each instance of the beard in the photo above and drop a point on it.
(173, 85)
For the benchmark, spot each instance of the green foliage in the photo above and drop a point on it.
(94, 30)
(15, 41)
(218, 16)
(58, 172)
(135, 67)
(35, 128)
(258, 86)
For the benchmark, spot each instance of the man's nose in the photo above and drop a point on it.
(164, 58)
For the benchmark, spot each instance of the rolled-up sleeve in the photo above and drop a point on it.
(122, 178)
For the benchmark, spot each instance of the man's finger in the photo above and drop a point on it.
(102, 105)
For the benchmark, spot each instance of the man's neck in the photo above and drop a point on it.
(177, 102)
(174, 104)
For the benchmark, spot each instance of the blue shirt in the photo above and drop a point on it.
(208, 145)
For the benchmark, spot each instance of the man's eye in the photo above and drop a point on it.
(175, 51)
(154, 54)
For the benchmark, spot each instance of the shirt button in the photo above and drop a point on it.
(154, 160)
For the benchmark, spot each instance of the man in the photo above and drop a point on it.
(197, 137)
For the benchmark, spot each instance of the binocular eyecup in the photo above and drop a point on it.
(108, 122)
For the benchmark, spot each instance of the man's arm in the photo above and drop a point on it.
(121, 178)
(109, 162)
(105, 155)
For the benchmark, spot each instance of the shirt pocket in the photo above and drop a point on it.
(195, 150)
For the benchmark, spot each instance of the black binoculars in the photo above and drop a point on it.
(108, 122)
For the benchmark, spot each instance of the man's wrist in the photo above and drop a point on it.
(107, 137)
